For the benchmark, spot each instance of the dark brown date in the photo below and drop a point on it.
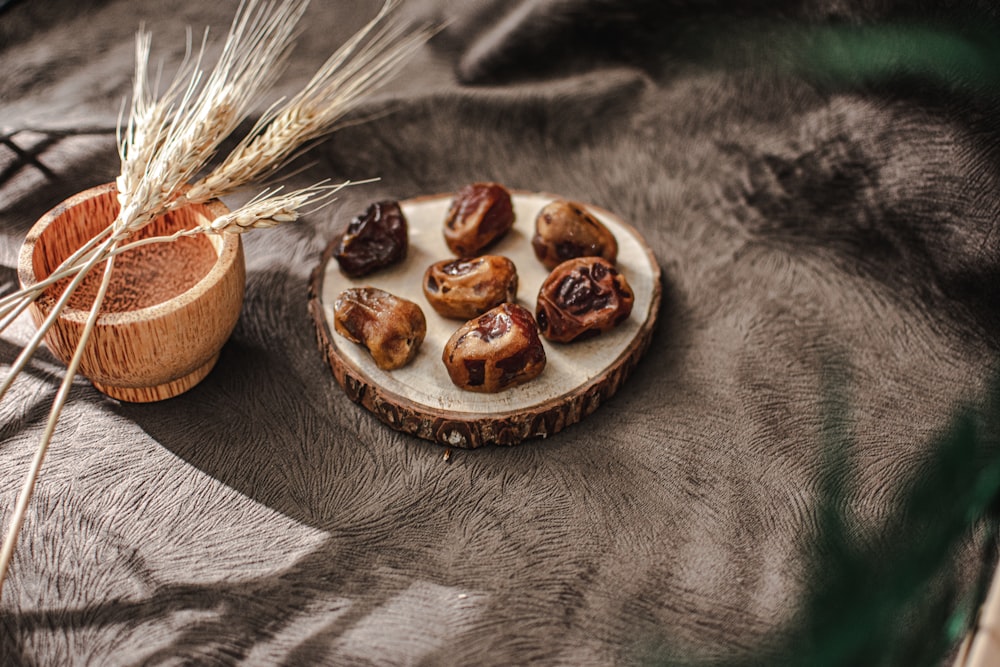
(464, 288)
(495, 351)
(581, 298)
(565, 230)
(373, 240)
(479, 215)
(390, 327)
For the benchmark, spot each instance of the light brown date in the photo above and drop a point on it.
(479, 215)
(566, 230)
(464, 288)
(495, 351)
(390, 327)
(582, 297)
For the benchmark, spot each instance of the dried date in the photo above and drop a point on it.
(373, 240)
(479, 215)
(495, 351)
(582, 297)
(390, 327)
(464, 288)
(566, 230)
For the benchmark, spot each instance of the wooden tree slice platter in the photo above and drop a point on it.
(420, 398)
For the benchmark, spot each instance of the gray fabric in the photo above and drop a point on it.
(263, 518)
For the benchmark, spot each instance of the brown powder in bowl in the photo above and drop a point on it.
(144, 276)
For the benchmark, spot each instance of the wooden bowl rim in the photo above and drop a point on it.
(228, 256)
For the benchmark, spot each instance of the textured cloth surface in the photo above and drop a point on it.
(801, 223)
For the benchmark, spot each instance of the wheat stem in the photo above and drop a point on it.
(27, 490)
(64, 267)
(36, 340)
(254, 214)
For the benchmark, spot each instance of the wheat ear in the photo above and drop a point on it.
(359, 67)
(205, 112)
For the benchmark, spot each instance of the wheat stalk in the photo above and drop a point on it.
(168, 139)
(24, 497)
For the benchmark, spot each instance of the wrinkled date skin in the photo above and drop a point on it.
(390, 327)
(464, 288)
(479, 215)
(566, 230)
(581, 298)
(495, 351)
(373, 240)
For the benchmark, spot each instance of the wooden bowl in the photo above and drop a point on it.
(169, 308)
